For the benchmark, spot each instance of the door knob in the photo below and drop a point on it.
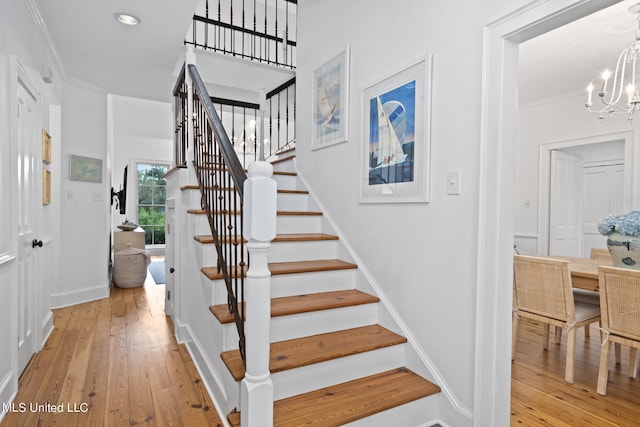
(36, 242)
(171, 270)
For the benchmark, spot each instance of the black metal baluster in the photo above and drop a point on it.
(243, 28)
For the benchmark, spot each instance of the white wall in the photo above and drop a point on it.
(422, 255)
(141, 130)
(84, 224)
(559, 120)
(20, 41)
(8, 225)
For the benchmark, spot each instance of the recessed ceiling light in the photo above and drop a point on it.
(127, 19)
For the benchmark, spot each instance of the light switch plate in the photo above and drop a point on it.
(453, 182)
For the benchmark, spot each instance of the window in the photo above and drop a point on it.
(152, 192)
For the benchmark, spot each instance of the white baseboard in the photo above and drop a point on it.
(66, 299)
(8, 390)
(47, 328)
(209, 377)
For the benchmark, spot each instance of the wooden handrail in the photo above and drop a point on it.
(221, 180)
(235, 167)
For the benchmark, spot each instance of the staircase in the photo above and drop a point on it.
(331, 361)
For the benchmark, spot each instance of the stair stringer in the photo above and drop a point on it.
(416, 357)
(194, 325)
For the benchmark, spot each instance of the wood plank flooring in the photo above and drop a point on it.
(116, 362)
(541, 397)
(113, 362)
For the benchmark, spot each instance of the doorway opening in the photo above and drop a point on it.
(602, 184)
(497, 195)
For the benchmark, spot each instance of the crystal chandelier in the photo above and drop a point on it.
(624, 80)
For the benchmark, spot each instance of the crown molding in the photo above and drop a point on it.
(84, 85)
(38, 20)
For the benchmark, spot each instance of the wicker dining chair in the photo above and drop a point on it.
(620, 307)
(592, 297)
(600, 253)
(542, 292)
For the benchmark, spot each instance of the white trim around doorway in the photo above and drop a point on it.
(544, 168)
(492, 381)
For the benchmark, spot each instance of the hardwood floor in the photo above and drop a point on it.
(540, 396)
(113, 362)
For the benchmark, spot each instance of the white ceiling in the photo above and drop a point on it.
(140, 61)
(96, 49)
(565, 60)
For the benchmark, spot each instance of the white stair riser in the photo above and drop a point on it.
(308, 283)
(207, 255)
(313, 323)
(288, 182)
(292, 202)
(192, 198)
(302, 251)
(199, 224)
(287, 224)
(322, 321)
(286, 165)
(417, 413)
(280, 252)
(319, 375)
(283, 285)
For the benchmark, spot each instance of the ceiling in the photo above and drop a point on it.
(565, 60)
(92, 47)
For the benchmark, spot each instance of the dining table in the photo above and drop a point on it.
(584, 271)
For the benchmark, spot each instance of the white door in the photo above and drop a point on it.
(603, 195)
(29, 189)
(565, 204)
(169, 256)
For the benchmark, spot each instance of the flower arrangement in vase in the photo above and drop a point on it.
(623, 238)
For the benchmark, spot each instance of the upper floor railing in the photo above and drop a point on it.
(243, 122)
(263, 31)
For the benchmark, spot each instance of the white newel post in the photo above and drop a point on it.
(259, 230)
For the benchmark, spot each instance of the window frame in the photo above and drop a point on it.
(135, 193)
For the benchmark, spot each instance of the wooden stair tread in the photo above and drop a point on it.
(350, 401)
(295, 237)
(284, 151)
(282, 159)
(297, 304)
(292, 267)
(303, 237)
(280, 191)
(284, 173)
(292, 354)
